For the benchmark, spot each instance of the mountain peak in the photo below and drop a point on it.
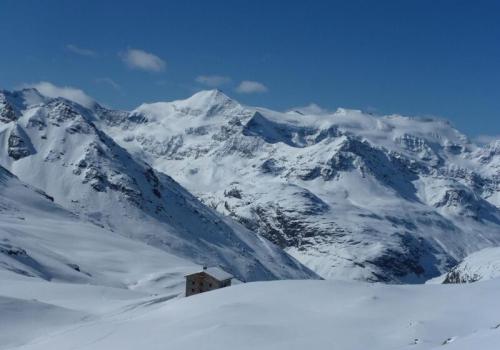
(208, 99)
(205, 103)
(21, 99)
(210, 93)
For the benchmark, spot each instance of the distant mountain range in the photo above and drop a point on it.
(348, 194)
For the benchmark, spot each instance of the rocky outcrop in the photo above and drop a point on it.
(19, 144)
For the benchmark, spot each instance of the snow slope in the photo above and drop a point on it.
(479, 266)
(49, 254)
(293, 315)
(18, 323)
(349, 194)
(53, 144)
(43, 241)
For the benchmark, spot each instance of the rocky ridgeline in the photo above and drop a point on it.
(350, 195)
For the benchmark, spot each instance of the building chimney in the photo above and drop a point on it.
(204, 267)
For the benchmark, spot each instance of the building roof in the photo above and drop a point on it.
(215, 272)
(218, 273)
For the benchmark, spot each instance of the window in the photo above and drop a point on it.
(210, 284)
(192, 290)
(192, 282)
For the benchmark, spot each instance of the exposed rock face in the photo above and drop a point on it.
(7, 113)
(456, 276)
(19, 144)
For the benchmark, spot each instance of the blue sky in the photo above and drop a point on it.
(439, 58)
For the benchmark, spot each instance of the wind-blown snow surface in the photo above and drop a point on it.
(349, 194)
(262, 315)
(53, 144)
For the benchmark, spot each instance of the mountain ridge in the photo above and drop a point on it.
(331, 162)
(349, 194)
(63, 152)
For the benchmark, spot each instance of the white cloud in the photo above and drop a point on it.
(251, 87)
(81, 51)
(143, 60)
(312, 108)
(213, 80)
(485, 139)
(67, 92)
(109, 82)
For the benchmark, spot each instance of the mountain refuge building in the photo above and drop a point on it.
(208, 279)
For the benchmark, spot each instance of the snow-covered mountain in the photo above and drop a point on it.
(66, 283)
(349, 194)
(482, 265)
(54, 145)
(95, 242)
(42, 241)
